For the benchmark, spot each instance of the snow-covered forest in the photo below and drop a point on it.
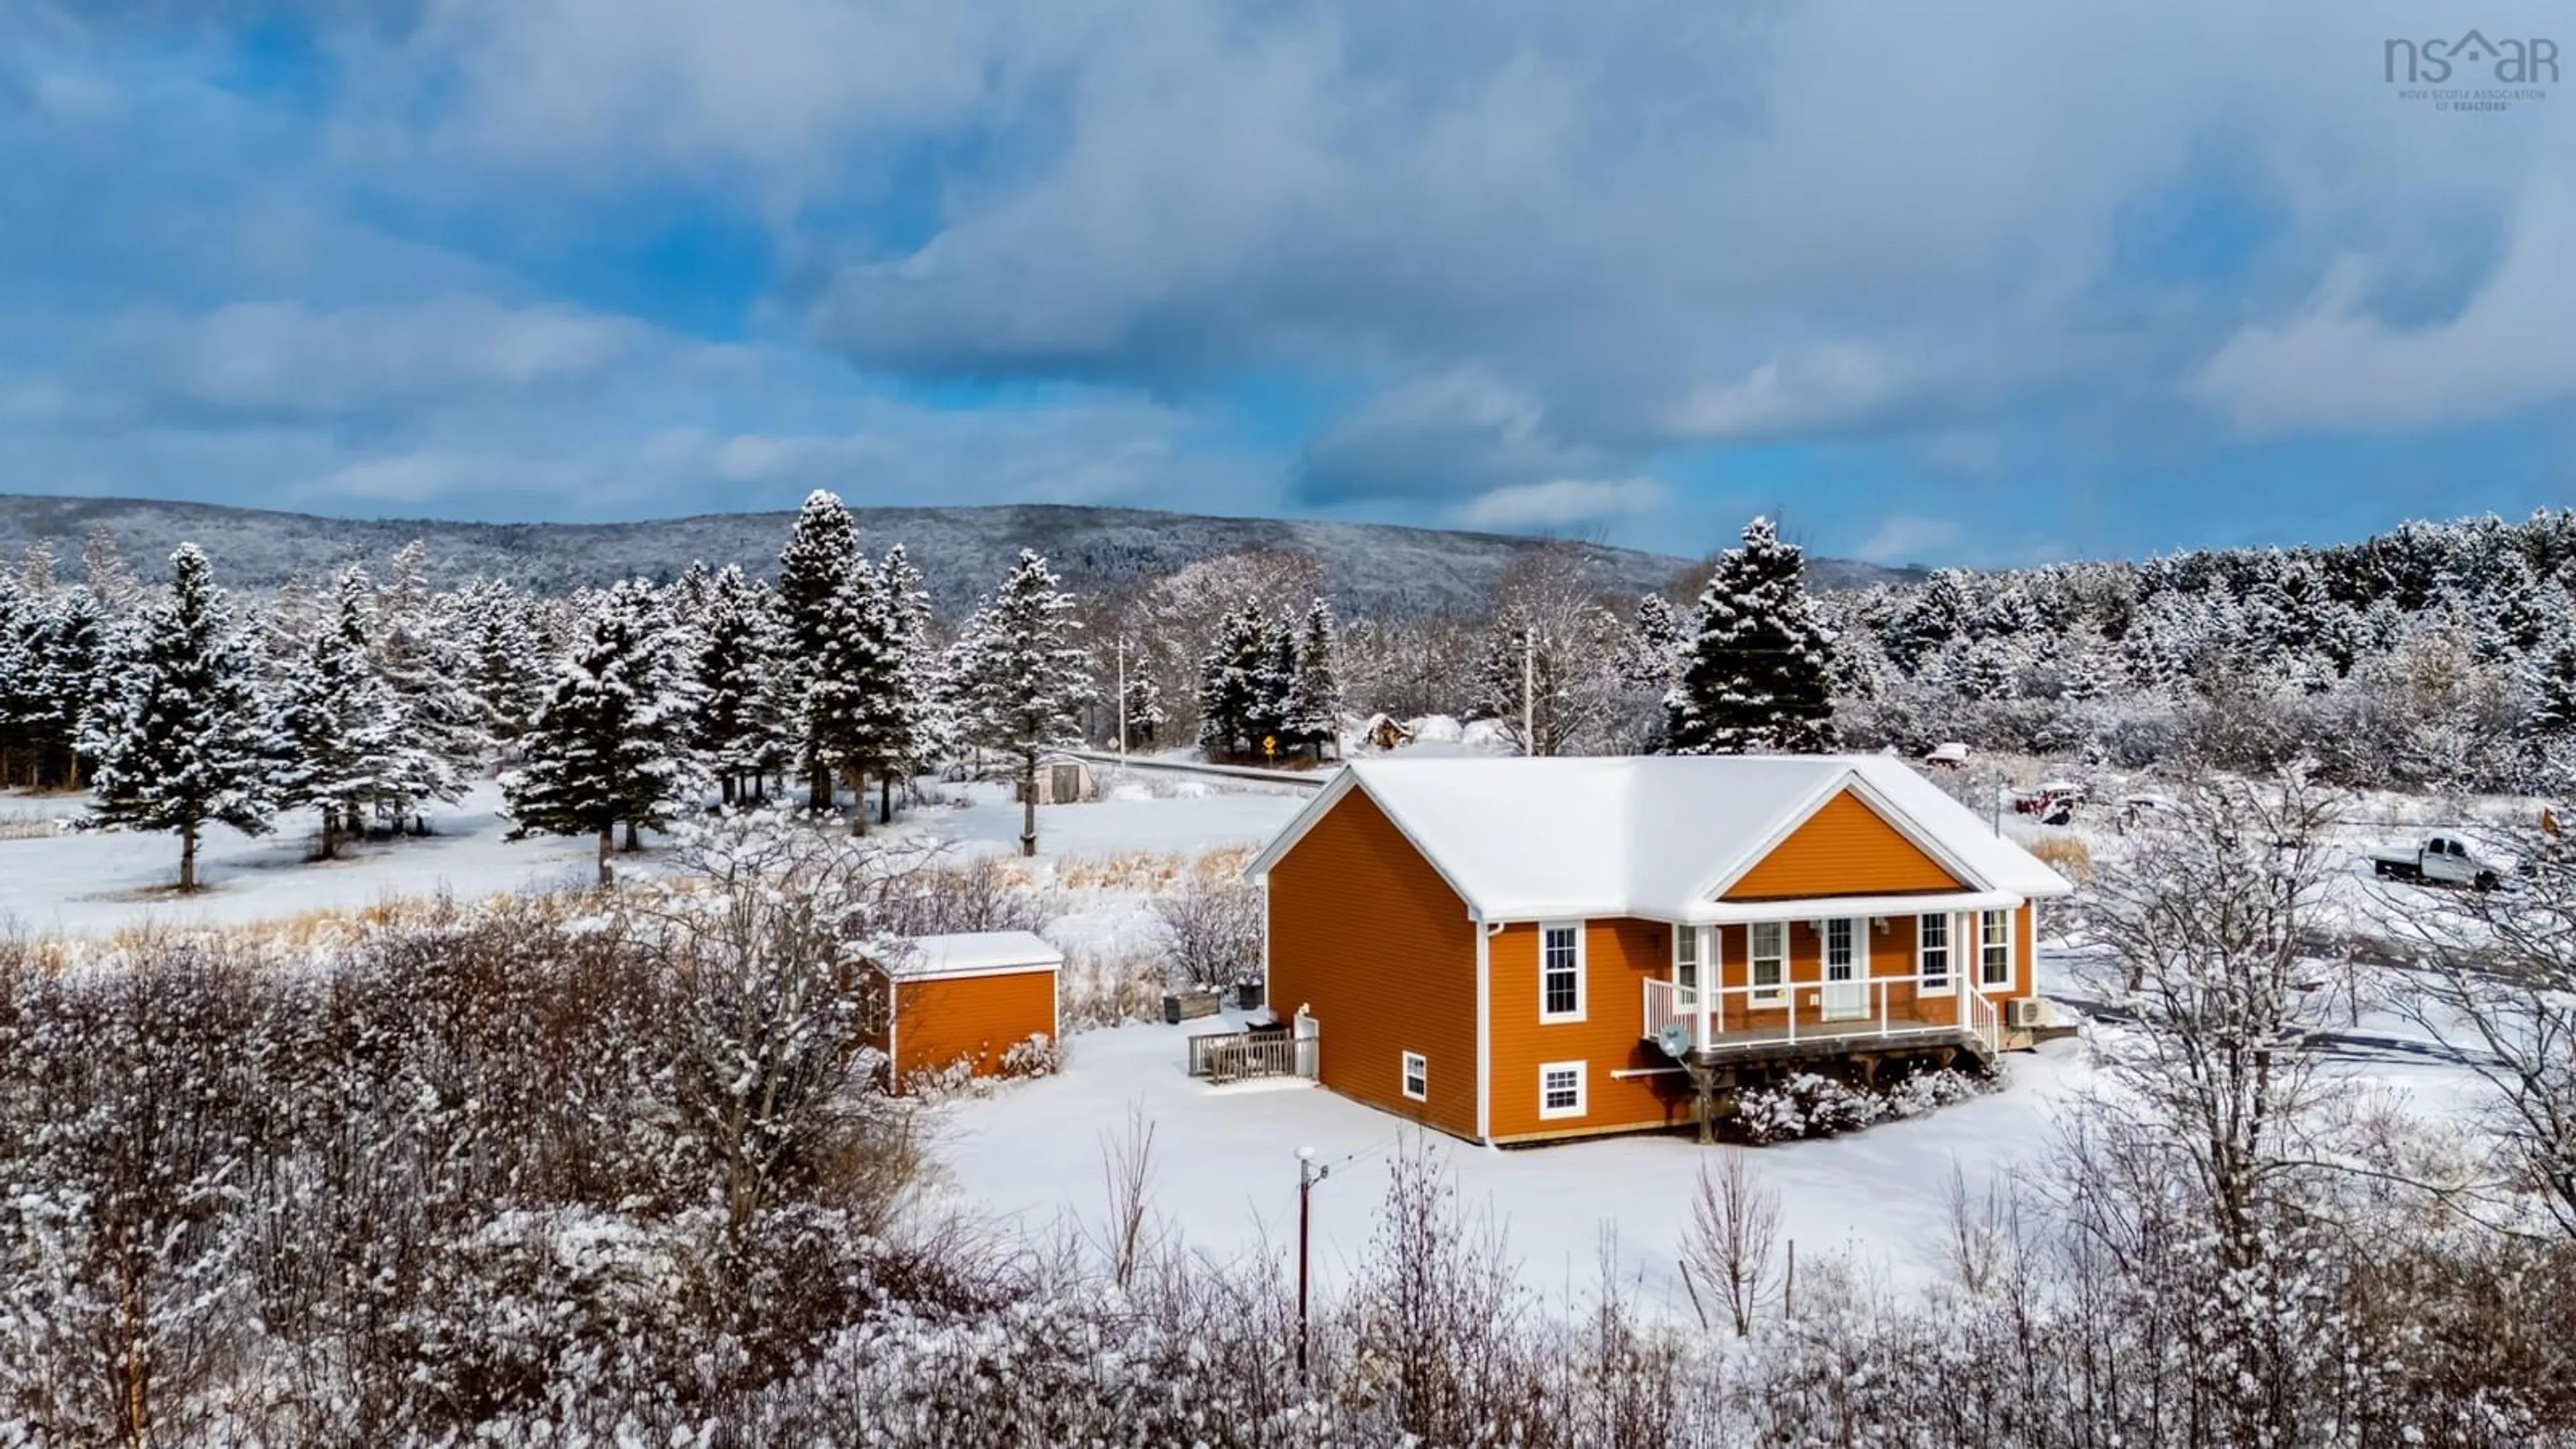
(597, 1166)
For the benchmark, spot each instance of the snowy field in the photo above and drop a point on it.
(1030, 1156)
(94, 883)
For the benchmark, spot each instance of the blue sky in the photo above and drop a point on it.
(1985, 284)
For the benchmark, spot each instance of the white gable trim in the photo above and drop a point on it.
(1878, 803)
(1316, 809)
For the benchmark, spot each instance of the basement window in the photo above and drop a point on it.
(1417, 1077)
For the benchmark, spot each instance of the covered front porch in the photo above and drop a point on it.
(1819, 977)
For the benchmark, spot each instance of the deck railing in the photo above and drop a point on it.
(1867, 1009)
(1235, 1056)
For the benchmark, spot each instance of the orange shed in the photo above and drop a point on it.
(965, 998)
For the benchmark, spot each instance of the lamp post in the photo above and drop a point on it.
(1308, 1174)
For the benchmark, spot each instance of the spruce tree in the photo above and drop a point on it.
(503, 662)
(1755, 680)
(734, 730)
(851, 685)
(1232, 682)
(186, 743)
(911, 665)
(1144, 710)
(813, 570)
(1028, 679)
(423, 662)
(77, 683)
(611, 743)
(342, 747)
(1312, 713)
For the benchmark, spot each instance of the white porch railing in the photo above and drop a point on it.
(1234, 1056)
(1800, 1006)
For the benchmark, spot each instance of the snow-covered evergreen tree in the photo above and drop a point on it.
(343, 750)
(1651, 656)
(1241, 684)
(186, 743)
(1756, 676)
(848, 695)
(736, 731)
(1028, 678)
(1144, 711)
(611, 744)
(906, 733)
(813, 570)
(1311, 713)
(505, 666)
(424, 663)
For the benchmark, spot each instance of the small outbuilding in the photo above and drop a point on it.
(1065, 780)
(966, 998)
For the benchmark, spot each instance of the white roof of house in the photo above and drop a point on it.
(973, 953)
(1660, 836)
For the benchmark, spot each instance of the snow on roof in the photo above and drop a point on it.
(1652, 835)
(973, 953)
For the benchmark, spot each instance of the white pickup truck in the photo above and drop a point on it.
(2441, 860)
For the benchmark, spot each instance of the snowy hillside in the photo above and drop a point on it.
(1371, 568)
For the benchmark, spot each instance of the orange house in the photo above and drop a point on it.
(1513, 950)
(964, 998)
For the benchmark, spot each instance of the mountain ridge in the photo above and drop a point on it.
(1390, 570)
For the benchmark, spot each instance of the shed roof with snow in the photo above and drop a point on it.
(972, 953)
(1660, 836)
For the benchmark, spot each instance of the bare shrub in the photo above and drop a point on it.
(2068, 855)
(1095, 989)
(1210, 931)
(1733, 1238)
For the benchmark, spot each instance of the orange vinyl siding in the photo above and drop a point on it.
(1366, 935)
(939, 1021)
(1619, 955)
(1844, 849)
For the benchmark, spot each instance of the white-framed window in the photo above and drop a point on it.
(1932, 953)
(1685, 965)
(1768, 951)
(1560, 1089)
(1994, 950)
(1560, 972)
(1417, 1077)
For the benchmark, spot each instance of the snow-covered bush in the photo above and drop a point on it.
(1039, 1055)
(1809, 1105)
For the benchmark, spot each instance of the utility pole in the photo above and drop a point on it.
(1529, 691)
(1122, 693)
(1308, 1174)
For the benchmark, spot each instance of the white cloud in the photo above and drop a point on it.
(1820, 389)
(285, 357)
(1561, 503)
(2335, 365)
(1905, 539)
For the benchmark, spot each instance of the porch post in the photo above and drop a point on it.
(1712, 975)
(1961, 980)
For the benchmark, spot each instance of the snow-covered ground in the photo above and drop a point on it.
(1029, 1155)
(93, 883)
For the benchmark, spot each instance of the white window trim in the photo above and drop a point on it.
(1950, 949)
(2012, 966)
(1582, 970)
(1582, 1090)
(1758, 994)
(1415, 1065)
(1698, 938)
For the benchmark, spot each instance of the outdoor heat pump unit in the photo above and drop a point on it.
(2024, 1012)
